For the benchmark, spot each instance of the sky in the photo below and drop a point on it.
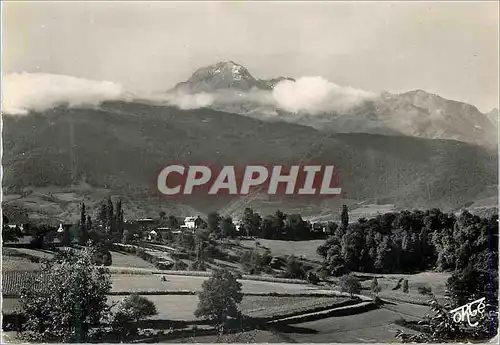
(447, 48)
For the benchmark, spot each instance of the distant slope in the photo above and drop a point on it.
(122, 147)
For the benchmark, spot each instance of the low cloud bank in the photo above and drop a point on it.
(316, 95)
(22, 92)
(311, 95)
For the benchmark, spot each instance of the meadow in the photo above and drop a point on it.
(304, 249)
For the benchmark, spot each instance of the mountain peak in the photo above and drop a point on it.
(226, 75)
(221, 75)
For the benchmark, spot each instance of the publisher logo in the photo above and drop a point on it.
(465, 312)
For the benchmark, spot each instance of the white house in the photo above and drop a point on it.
(189, 222)
(152, 235)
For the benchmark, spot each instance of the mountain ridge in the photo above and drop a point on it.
(414, 113)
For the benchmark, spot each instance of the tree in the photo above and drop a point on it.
(173, 222)
(89, 223)
(10, 234)
(405, 286)
(267, 228)
(374, 287)
(102, 255)
(103, 214)
(201, 238)
(344, 217)
(251, 222)
(227, 228)
(110, 215)
(213, 221)
(293, 268)
(186, 240)
(251, 261)
(350, 284)
(296, 227)
(66, 301)
(199, 223)
(220, 297)
(127, 237)
(471, 284)
(83, 229)
(331, 228)
(131, 309)
(118, 221)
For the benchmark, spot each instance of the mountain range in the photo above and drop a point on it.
(413, 150)
(415, 113)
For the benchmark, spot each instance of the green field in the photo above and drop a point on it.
(12, 263)
(120, 259)
(153, 283)
(183, 307)
(306, 249)
(435, 280)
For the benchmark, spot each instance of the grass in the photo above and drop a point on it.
(170, 307)
(182, 308)
(435, 280)
(306, 249)
(369, 327)
(12, 263)
(134, 283)
(267, 306)
(121, 259)
(254, 336)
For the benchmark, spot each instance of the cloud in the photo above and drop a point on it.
(191, 101)
(315, 95)
(307, 95)
(23, 92)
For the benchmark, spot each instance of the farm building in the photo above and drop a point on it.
(190, 222)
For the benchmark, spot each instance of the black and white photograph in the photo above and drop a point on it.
(249, 171)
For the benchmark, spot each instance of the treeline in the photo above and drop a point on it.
(274, 226)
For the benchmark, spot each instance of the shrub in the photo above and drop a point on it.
(165, 265)
(127, 237)
(312, 278)
(277, 263)
(374, 287)
(198, 266)
(132, 309)
(294, 268)
(350, 284)
(405, 286)
(251, 261)
(102, 256)
(424, 290)
(179, 265)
